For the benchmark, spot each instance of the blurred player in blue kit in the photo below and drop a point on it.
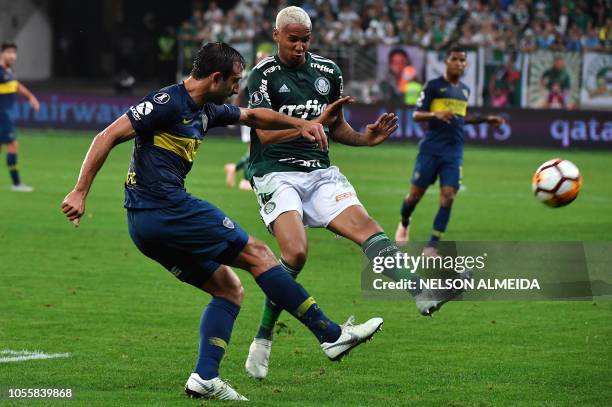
(192, 238)
(9, 89)
(443, 103)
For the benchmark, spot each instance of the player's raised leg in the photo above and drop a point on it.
(335, 340)
(291, 236)
(355, 224)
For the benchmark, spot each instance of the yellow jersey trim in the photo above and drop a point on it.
(458, 107)
(8, 87)
(181, 146)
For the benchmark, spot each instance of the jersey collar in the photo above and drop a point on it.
(295, 68)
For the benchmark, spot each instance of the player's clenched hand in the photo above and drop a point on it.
(313, 131)
(446, 117)
(379, 131)
(496, 121)
(333, 110)
(73, 207)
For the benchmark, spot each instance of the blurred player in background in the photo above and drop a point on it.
(245, 135)
(9, 88)
(294, 182)
(443, 103)
(192, 238)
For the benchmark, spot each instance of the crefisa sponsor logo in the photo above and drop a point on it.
(570, 131)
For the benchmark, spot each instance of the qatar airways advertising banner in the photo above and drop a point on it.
(524, 127)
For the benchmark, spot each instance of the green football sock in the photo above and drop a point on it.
(242, 162)
(271, 311)
(379, 245)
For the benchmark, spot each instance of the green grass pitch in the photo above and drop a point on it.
(132, 329)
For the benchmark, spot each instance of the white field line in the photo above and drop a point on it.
(8, 355)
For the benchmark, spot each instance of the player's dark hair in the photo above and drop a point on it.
(216, 57)
(455, 49)
(8, 45)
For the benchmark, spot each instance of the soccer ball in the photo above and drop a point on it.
(557, 182)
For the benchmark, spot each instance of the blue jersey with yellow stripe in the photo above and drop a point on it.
(169, 128)
(8, 93)
(444, 138)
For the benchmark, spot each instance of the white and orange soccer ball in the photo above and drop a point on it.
(556, 182)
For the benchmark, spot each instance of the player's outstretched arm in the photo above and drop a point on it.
(268, 119)
(23, 91)
(375, 133)
(495, 121)
(329, 116)
(445, 116)
(119, 131)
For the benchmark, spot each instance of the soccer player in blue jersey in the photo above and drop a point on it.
(9, 88)
(190, 237)
(443, 103)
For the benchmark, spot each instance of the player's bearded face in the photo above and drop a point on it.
(293, 41)
(9, 56)
(226, 88)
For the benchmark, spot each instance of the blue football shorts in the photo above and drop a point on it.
(7, 132)
(428, 167)
(190, 239)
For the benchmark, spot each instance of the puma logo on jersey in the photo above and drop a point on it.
(322, 68)
(312, 107)
(284, 89)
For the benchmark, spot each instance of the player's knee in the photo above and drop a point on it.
(226, 284)
(447, 198)
(264, 258)
(413, 198)
(296, 255)
(12, 147)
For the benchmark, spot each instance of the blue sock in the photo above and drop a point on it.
(440, 224)
(406, 212)
(11, 162)
(271, 311)
(284, 291)
(215, 331)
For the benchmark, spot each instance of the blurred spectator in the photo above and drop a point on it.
(557, 82)
(590, 40)
(605, 34)
(503, 85)
(574, 40)
(581, 19)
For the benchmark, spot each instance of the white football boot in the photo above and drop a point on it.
(215, 388)
(429, 301)
(259, 355)
(21, 188)
(350, 337)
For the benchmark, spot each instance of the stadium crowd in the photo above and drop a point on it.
(523, 25)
